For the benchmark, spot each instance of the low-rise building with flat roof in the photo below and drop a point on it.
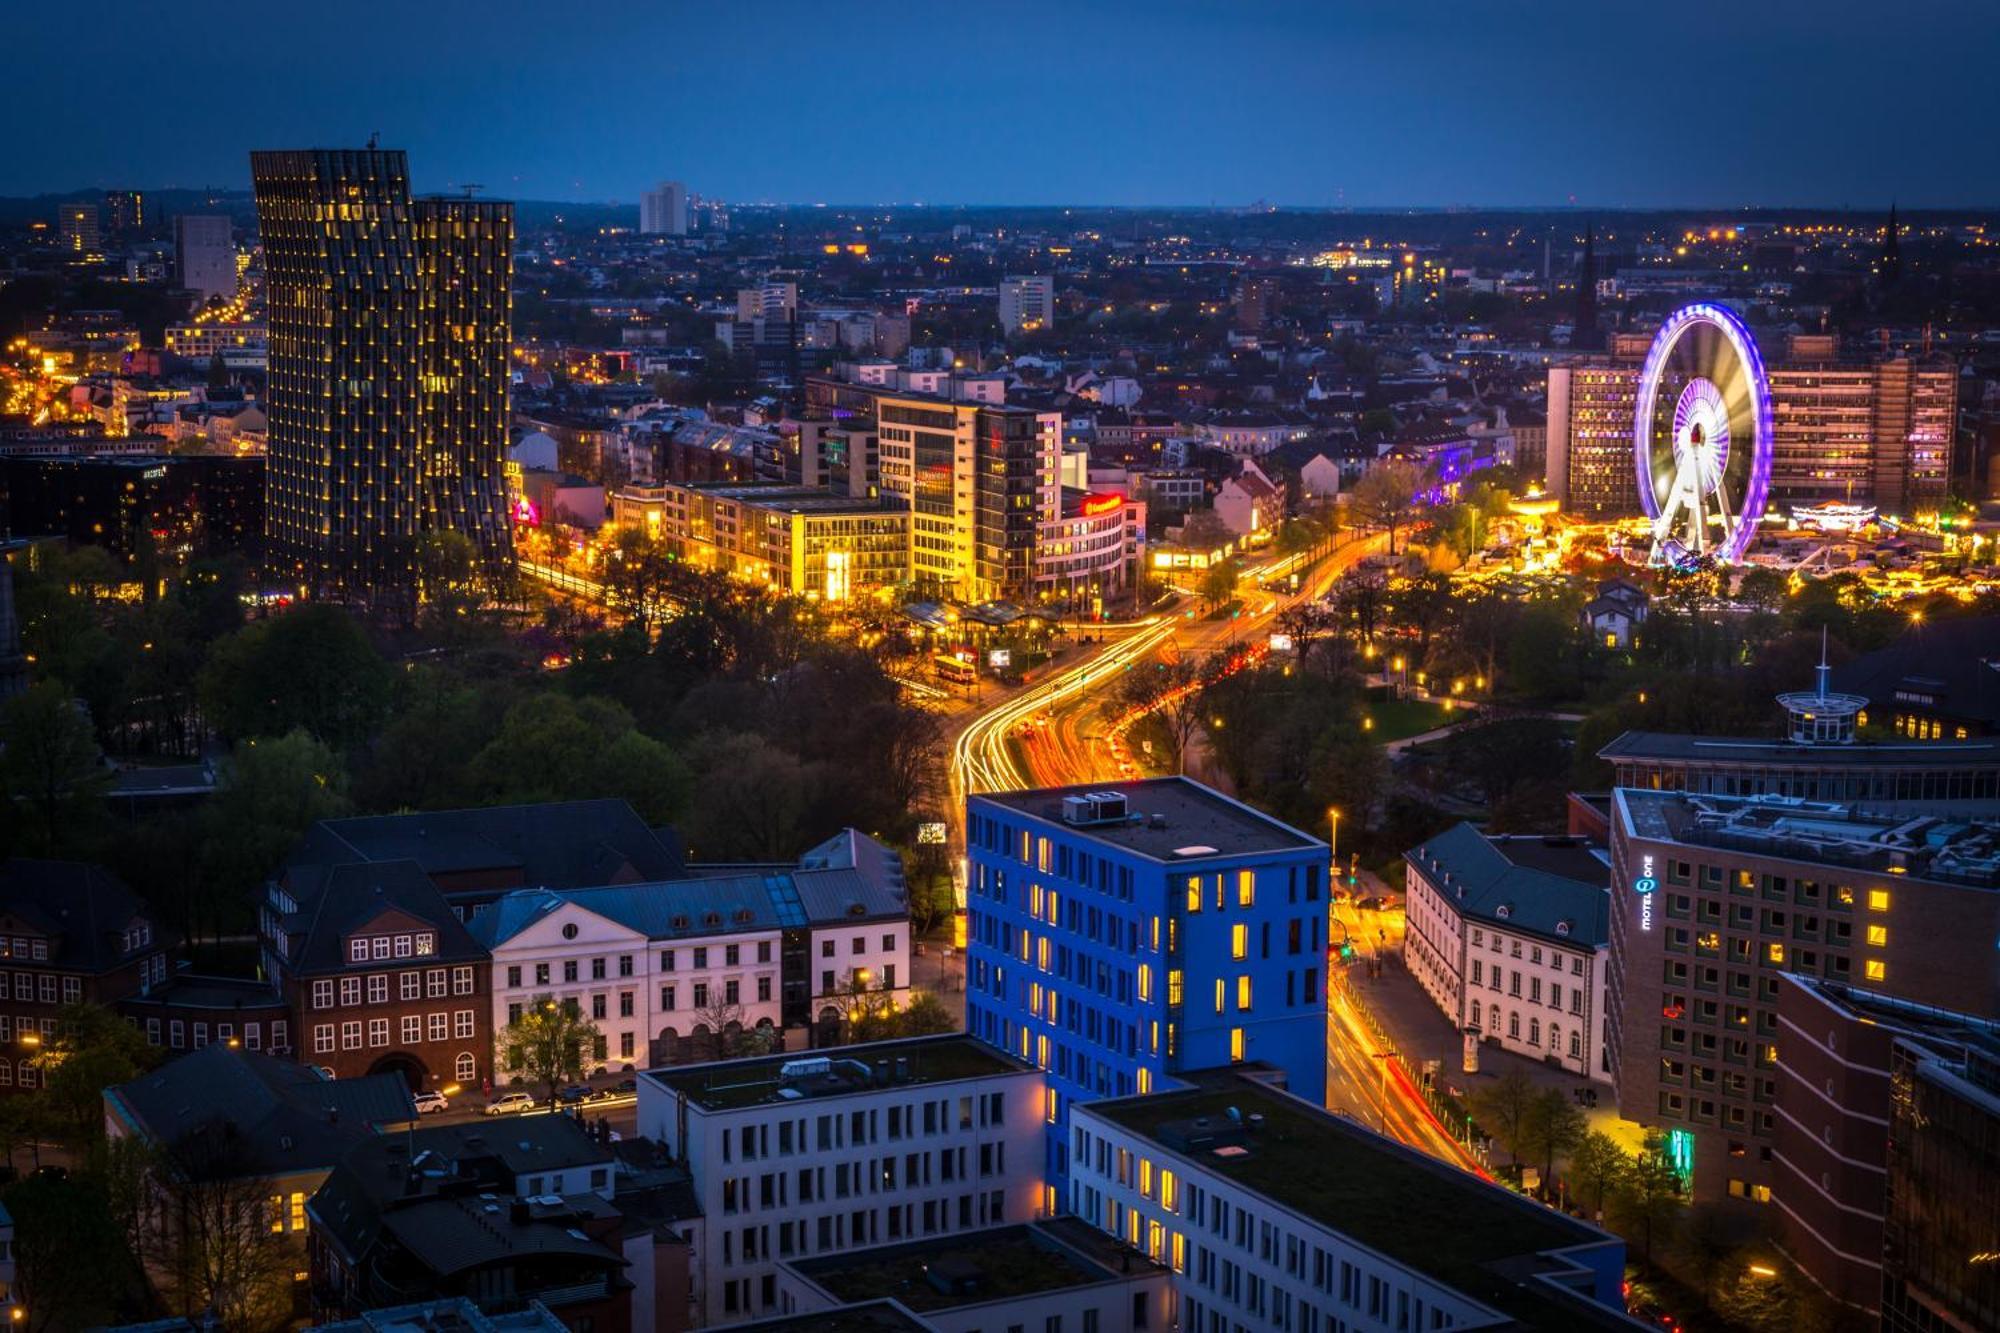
(802, 540)
(1038, 1275)
(1274, 1213)
(797, 1158)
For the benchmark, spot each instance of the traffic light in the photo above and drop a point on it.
(1346, 952)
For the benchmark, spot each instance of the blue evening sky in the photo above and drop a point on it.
(1344, 102)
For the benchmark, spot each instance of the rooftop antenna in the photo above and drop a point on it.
(1823, 669)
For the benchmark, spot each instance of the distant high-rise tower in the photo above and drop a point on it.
(76, 228)
(1027, 303)
(664, 211)
(205, 255)
(1587, 334)
(126, 210)
(390, 328)
(1891, 266)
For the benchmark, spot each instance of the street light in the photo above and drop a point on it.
(1333, 849)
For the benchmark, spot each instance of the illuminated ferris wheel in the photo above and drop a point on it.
(1701, 437)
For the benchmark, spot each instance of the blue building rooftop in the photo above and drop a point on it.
(1170, 820)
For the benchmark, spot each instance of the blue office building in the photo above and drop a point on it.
(1120, 933)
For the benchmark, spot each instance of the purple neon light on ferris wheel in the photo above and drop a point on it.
(1750, 367)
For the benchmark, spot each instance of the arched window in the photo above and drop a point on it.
(27, 1074)
(6, 1074)
(1475, 1013)
(468, 1068)
(1534, 1032)
(1576, 1046)
(1514, 1026)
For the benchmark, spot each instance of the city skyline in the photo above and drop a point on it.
(1181, 106)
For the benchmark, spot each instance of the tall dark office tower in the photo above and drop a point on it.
(389, 327)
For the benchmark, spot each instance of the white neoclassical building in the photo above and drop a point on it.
(1510, 936)
(663, 968)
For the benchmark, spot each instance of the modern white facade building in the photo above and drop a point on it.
(1274, 1213)
(205, 255)
(663, 210)
(857, 1147)
(1510, 936)
(1027, 303)
(665, 969)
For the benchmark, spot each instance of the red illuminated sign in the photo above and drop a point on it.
(1101, 504)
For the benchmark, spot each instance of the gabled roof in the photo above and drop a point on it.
(335, 901)
(83, 908)
(288, 1116)
(1558, 888)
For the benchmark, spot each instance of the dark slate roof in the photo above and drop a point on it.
(424, 1188)
(554, 844)
(83, 908)
(849, 877)
(1956, 663)
(289, 1116)
(335, 901)
(1538, 883)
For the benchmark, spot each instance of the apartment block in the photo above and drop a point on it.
(1120, 934)
(801, 1158)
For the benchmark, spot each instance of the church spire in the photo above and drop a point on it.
(1891, 266)
(1587, 335)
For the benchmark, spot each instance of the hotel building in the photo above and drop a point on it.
(1119, 934)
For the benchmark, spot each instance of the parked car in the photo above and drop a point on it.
(510, 1103)
(430, 1103)
(576, 1094)
(624, 1087)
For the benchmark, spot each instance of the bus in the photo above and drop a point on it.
(954, 669)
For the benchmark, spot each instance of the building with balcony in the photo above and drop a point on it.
(1510, 937)
(1121, 933)
(1274, 1213)
(797, 1158)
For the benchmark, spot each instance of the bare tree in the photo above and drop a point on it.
(1386, 496)
(548, 1044)
(1170, 690)
(1305, 622)
(724, 1019)
(216, 1245)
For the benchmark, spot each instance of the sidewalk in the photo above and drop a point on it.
(1421, 1030)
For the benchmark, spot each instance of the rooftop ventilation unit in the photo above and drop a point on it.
(813, 1067)
(1097, 807)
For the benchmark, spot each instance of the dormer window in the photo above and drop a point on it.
(40, 950)
(357, 950)
(402, 946)
(426, 944)
(381, 943)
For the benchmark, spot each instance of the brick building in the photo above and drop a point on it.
(69, 932)
(379, 973)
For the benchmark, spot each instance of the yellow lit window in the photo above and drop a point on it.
(1042, 953)
(277, 1213)
(1055, 905)
(1220, 993)
(1878, 900)
(1042, 855)
(1246, 888)
(1239, 941)
(1156, 1240)
(1180, 1253)
(1242, 992)
(1145, 984)
(1146, 1177)
(1878, 935)
(1169, 1191)
(1876, 970)
(1042, 1052)
(1174, 988)
(1145, 1081)
(298, 1212)
(1775, 952)
(1156, 934)
(1236, 1043)
(1194, 893)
